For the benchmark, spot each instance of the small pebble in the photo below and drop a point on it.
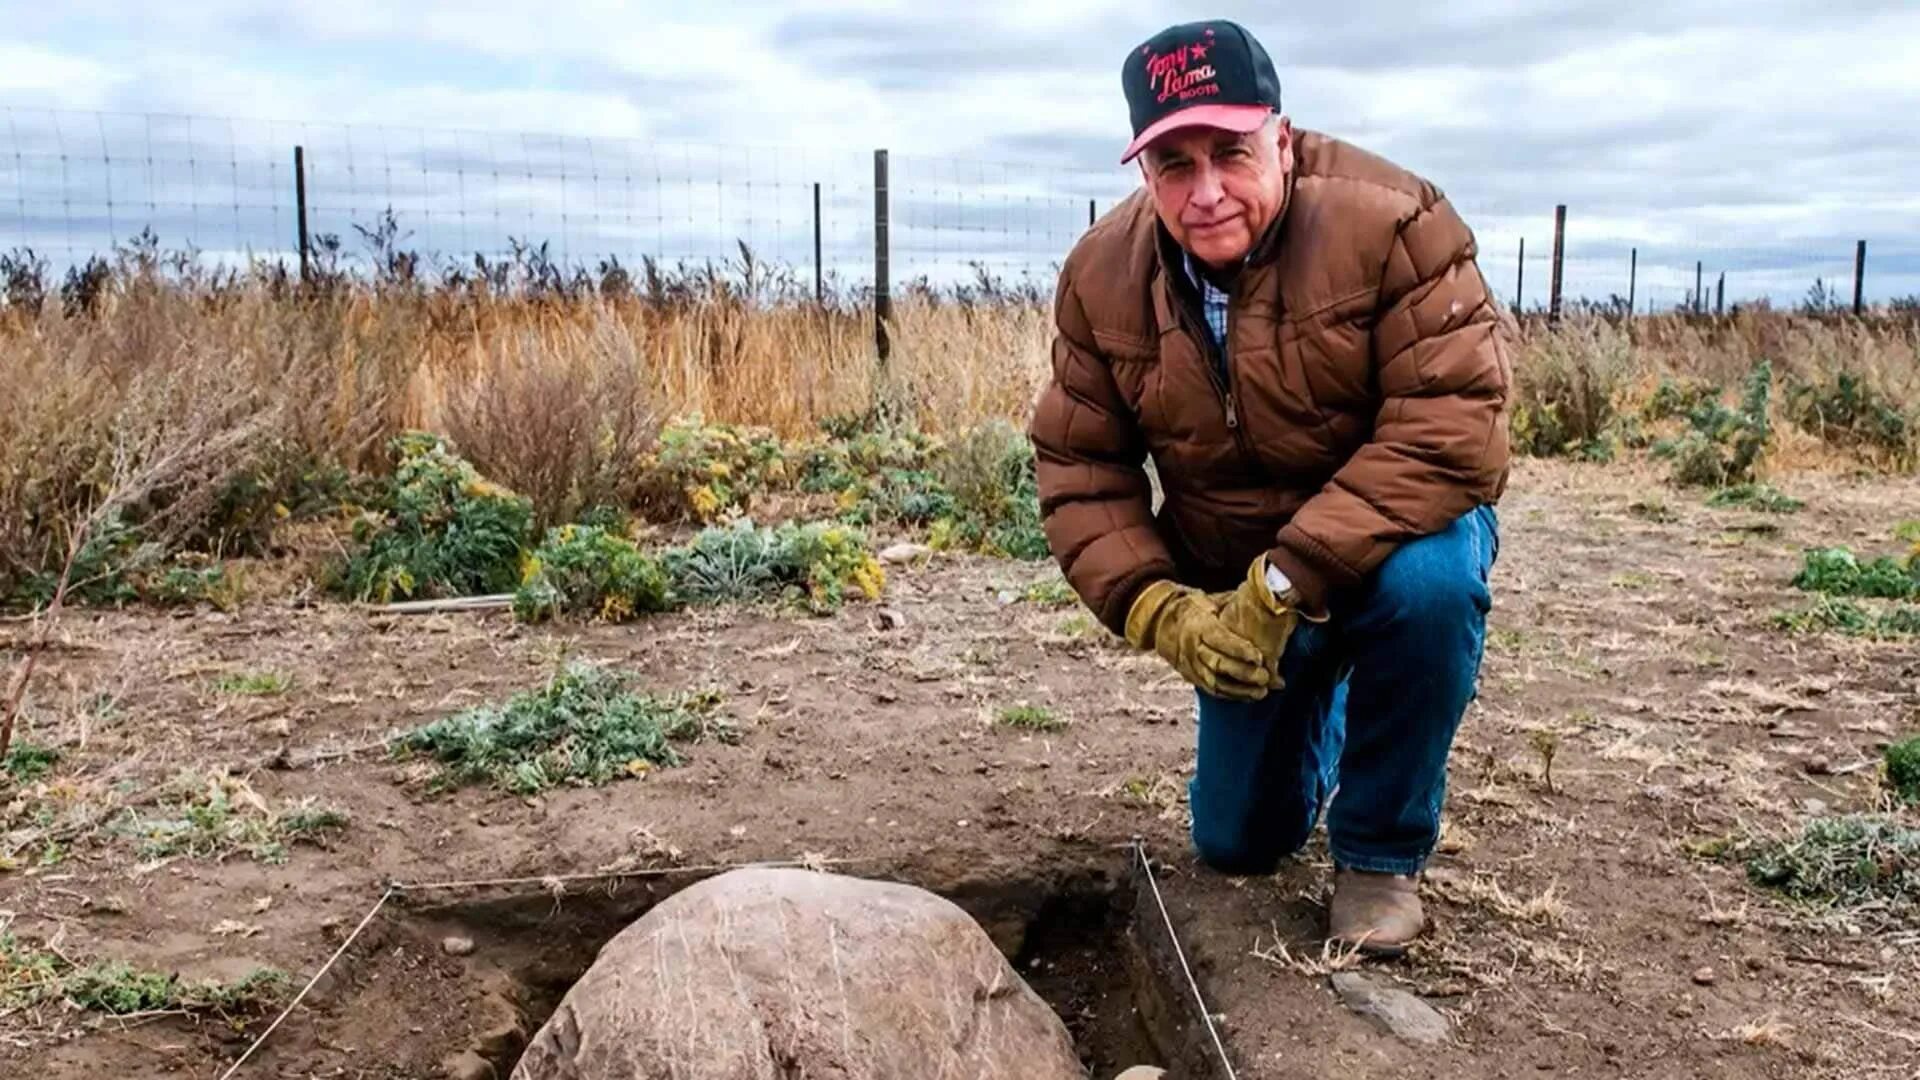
(457, 946)
(1704, 977)
(1820, 765)
(471, 1066)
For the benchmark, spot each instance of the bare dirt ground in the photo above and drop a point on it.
(1578, 930)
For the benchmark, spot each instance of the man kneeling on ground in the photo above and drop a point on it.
(1296, 333)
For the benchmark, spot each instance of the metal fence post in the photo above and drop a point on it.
(882, 295)
(1633, 278)
(300, 201)
(1559, 254)
(819, 286)
(1720, 295)
(1090, 214)
(1859, 276)
(1699, 288)
(1520, 279)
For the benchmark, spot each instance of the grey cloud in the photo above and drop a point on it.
(900, 51)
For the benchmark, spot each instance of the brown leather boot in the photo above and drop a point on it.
(1380, 914)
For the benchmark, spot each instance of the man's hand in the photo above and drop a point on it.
(1253, 612)
(1182, 625)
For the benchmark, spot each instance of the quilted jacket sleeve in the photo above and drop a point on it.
(1442, 352)
(1095, 499)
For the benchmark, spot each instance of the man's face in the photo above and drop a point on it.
(1216, 191)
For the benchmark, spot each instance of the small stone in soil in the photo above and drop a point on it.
(471, 1066)
(1392, 1009)
(457, 946)
(904, 553)
(1704, 976)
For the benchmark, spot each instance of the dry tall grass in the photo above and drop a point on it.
(558, 391)
(1847, 390)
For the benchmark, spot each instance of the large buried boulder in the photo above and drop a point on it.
(764, 974)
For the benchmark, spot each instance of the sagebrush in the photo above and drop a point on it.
(586, 725)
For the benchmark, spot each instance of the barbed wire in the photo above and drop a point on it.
(77, 185)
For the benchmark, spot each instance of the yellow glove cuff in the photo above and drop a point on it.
(1263, 592)
(1144, 615)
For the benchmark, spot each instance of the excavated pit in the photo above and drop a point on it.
(1091, 943)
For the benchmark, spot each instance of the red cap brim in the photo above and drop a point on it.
(1239, 119)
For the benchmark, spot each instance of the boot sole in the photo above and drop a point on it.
(1376, 950)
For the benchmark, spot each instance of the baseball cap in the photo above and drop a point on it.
(1198, 74)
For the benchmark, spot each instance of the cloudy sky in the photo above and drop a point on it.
(1762, 137)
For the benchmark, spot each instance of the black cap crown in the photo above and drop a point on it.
(1195, 65)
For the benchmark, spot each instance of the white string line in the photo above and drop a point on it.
(305, 990)
(1140, 849)
(547, 881)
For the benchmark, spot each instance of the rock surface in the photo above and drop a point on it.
(1392, 1009)
(898, 554)
(764, 973)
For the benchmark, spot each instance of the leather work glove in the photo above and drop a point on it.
(1182, 625)
(1254, 612)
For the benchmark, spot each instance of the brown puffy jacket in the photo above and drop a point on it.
(1366, 404)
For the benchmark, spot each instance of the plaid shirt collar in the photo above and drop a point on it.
(1213, 304)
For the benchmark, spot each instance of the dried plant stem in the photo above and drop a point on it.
(43, 627)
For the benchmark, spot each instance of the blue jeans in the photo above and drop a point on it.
(1372, 700)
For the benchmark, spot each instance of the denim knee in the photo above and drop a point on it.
(1438, 581)
(1234, 854)
(1247, 848)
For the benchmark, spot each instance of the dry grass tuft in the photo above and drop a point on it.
(1770, 1031)
(1546, 908)
(1331, 958)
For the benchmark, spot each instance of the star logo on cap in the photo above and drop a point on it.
(1200, 51)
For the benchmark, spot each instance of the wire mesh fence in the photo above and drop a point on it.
(76, 185)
